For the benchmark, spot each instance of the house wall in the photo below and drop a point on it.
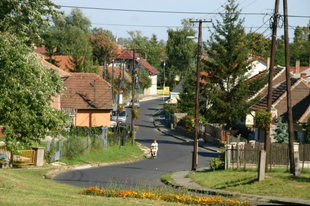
(153, 89)
(93, 118)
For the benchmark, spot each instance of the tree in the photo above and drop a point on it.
(180, 50)
(281, 131)
(307, 138)
(103, 47)
(71, 34)
(227, 88)
(27, 89)
(259, 45)
(155, 52)
(24, 18)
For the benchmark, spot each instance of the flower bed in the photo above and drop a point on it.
(184, 199)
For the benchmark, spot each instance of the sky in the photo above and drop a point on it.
(160, 15)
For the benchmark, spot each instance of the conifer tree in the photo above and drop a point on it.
(281, 132)
(227, 88)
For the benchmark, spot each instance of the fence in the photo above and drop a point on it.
(80, 141)
(244, 155)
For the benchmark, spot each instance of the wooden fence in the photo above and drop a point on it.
(247, 155)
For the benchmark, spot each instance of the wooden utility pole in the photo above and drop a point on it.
(133, 98)
(271, 72)
(113, 81)
(288, 90)
(195, 152)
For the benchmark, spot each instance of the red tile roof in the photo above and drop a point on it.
(64, 62)
(116, 73)
(148, 67)
(43, 62)
(87, 91)
(301, 69)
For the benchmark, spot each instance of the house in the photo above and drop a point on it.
(127, 58)
(88, 99)
(257, 64)
(174, 94)
(63, 75)
(300, 101)
(117, 72)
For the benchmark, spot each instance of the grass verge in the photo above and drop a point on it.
(27, 187)
(277, 183)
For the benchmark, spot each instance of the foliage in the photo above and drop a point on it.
(186, 101)
(84, 131)
(25, 18)
(189, 122)
(281, 132)
(262, 119)
(259, 45)
(167, 197)
(104, 49)
(180, 50)
(215, 163)
(135, 112)
(226, 89)
(171, 108)
(144, 79)
(71, 33)
(28, 89)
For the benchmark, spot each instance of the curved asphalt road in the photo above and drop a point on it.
(173, 155)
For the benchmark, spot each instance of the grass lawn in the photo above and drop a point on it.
(27, 187)
(276, 183)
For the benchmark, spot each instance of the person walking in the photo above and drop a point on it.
(154, 149)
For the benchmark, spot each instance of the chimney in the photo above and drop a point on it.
(303, 76)
(297, 67)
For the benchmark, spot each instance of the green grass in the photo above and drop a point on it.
(276, 183)
(111, 154)
(27, 187)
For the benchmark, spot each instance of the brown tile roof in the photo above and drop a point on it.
(87, 91)
(41, 50)
(277, 93)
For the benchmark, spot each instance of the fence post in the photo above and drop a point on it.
(104, 137)
(68, 145)
(261, 165)
(39, 158)
(228, 156)
(296, 159)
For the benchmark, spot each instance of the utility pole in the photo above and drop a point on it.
(133, 98)
(113, 81)
(271, 72)
(164, 79)
(288, 91)
(195, 152)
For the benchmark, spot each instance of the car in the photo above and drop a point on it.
(137, 103)
(122, 117)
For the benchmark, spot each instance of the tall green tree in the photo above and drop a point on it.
(25, 18)
(27, 91)
(227, 88)
(259, 45)
(180, 50)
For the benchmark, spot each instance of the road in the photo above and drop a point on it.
(173, 155)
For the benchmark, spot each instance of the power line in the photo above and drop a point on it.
(172, 12)
(155, 11)
(163, 26)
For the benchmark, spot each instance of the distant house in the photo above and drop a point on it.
(127, 58)
(88, 99)
(174, 94)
